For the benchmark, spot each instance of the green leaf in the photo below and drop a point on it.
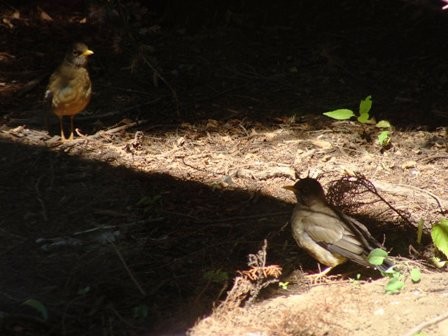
(377, 256)
(216, 276)
(364, 119)
(83, 291)
(416, 275)
(439, 235)
(140, 312)
(39, 306)
(383, 124)
(364, 108)
(340, 114)
(365, 105)
(384, 138)
(420, 225)
(395, 285)
(437, 262)
(283, 285)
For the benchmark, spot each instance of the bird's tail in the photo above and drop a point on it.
(387, 263)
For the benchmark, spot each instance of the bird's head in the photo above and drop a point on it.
(78, 54)
(308, 191)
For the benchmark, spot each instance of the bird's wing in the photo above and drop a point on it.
(361, 230)
(328, 229)
(323, 227)
(364, 236)
(65, 86)
(60, 83)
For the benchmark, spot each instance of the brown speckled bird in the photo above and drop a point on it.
(70, 87)
(326, 233)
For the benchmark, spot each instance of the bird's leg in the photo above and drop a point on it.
(61, 126)
(46, 120)
(321, 274)
(71, 127)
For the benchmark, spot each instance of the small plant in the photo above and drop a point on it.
(150, 203)
(84, 291)
(283, 285)
(396, 278)
(416, 275)
(420, 226)
(383, 138)
(216, 276)
(356, 280)
(439, 235)
(396, 281)
(395, 284)
(38, 306)
(140, 312)
(363, 117)
(248, 284)
(377, 257)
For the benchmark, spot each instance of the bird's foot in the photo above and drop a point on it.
(315, 278)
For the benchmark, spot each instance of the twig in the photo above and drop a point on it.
(131, 275)
(65, 314)
(82, 118)
(425, 324)
(11, 247)
(433, 157)
(240, 219)
(39, 198)
(382, 185)
(30, 86)
(196, 168)
(170, 87)
(118, 129)
(120, 111)
(439, 203)
(368, 185)
(260, 274)
(249, 283)
(122, 319)
(243, 218)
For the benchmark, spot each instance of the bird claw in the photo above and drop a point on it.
(315, 278)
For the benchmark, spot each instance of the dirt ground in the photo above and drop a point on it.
(141, 225)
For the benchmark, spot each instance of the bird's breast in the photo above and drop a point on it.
(70, 94)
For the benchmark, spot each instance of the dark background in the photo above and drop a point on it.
(258, 57)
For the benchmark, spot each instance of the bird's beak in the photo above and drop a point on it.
(87, 52)
(290, 188)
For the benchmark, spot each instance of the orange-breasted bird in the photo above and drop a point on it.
(70, 88)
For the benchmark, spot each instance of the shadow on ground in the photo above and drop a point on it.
(179, 244)
(172, 233)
